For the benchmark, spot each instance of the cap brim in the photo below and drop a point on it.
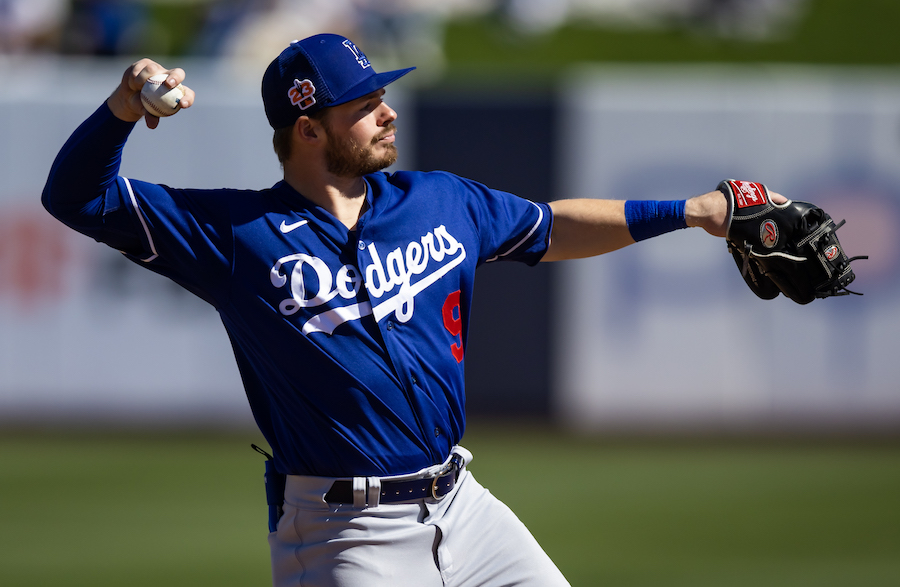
(371, 84)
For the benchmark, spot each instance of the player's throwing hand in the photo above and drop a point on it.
(125, 102)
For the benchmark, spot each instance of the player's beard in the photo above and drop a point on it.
(347, 158)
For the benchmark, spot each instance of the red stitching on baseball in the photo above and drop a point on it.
(154, 107)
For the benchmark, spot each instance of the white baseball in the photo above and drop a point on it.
(158, 98)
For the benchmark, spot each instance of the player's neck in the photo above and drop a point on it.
(344, 198)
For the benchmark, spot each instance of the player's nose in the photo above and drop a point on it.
(386, 114)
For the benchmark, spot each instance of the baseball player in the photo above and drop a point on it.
(345, 292)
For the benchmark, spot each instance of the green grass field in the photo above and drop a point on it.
(176, 510)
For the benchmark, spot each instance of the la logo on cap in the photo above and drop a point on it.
(359, 55)
(302, 94)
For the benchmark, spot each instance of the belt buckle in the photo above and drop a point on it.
(452, 468)
(434, 489)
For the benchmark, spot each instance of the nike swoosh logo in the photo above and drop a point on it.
(286, 228)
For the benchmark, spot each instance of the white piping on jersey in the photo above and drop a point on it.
(525, 238)
(327, 321)
(140, 216)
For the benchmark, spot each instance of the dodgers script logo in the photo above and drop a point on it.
(392, 282)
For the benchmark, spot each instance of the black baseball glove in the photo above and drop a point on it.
(789, 248)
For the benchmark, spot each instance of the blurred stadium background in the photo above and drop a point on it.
(650, 419)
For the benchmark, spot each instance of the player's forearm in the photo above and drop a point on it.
(85, 168)
(585, 228)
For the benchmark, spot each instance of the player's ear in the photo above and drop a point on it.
(308, 129)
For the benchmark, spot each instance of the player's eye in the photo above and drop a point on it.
(372, 104)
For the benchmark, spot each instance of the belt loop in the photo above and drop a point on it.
(359, 492)
(374, 492)
(464, 453)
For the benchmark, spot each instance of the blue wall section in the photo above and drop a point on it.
(508, 142)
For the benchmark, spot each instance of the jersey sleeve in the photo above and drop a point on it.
(511, 228)
(77, 191)
(177, 233)
(184, 234)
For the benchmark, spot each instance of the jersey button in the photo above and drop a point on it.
(361, 245)
(414, 380)
(437, 432)
(390, 325)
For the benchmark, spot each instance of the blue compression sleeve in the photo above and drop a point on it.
(649, 218)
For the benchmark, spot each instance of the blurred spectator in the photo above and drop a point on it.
(110, 27)
(223, 20)
(747, 19)
(394, 31)
(274, 24)
(31, 25)
(535, 16)
(403, 31)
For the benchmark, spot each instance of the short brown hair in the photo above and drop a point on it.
(281, 142)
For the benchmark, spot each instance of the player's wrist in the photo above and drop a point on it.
(121, 108)
(650, 218)
(708, 211)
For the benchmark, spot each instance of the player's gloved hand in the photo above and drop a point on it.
(789, 247)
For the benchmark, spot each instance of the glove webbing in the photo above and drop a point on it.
(836, 288)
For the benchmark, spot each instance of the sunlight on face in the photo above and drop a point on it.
(346, 157)
(350, 155)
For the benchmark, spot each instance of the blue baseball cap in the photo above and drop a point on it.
(318, 72)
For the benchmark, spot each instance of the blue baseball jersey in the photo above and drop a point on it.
(350, 343)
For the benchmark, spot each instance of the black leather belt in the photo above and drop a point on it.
(397, 491)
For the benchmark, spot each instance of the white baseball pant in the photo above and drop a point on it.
(468, 539)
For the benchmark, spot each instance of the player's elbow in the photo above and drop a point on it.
(48, 197)
(63, 203)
